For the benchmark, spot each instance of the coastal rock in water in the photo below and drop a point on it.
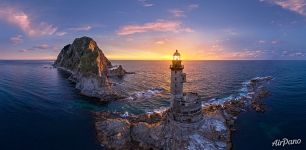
(160, 131)
(89, 68)
(116, 71)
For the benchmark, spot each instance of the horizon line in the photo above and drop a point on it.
(160, 59)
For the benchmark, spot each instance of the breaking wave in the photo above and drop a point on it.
(247, 92)
(160, 110)
(146, 94)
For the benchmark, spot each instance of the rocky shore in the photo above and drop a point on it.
(90, 70)
(160, 131)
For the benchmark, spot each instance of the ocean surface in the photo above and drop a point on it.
(41, 109)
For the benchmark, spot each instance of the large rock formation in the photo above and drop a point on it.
(89, 68)
(160, 131)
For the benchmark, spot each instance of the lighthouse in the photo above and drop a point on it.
(185, 107)
(177, 76)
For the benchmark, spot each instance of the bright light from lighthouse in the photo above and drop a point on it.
(176, 55)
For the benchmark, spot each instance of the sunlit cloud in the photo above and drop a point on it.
(298, 6)
(16, 39)
(160, 42)
(23, 50)
(42, 46)
(160, 26)
(24, 22)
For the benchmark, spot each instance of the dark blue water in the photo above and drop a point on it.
(40, 109)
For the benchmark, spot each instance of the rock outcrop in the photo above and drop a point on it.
(116, 71)
(141, 132)
(160, 131)
(89, 68)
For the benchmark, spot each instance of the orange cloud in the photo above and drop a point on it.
(161, 26)
(23, 21)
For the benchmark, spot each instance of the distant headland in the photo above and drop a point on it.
(90, 69)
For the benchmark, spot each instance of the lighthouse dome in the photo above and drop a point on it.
(176, 53)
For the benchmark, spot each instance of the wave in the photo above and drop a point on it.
(146, 94)
(160, 110)
(247, 92)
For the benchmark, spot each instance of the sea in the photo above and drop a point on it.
(41, 109)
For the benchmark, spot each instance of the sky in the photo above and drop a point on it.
(153, 29)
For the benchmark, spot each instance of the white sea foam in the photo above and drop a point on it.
(126, 114)
(159, 110)
(146, 94)
(246, 92)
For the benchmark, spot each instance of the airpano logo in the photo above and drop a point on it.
(285, 142)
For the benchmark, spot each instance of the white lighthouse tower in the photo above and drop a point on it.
(186, 107)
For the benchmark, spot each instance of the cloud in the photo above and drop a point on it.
(247, 53)
(81, 28)
(177, 13)
(23, 50)
(160, 42)
(193, 6)
(16, 39)
(274, 42)
(40, 47)
(61, 33)
(261, 41)
(145, 3)
(298, 6)
(293, 54)
(24, 22)
(231, 31)
(160, 25)
(148, 5)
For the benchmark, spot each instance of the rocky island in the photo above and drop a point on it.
(189, 123)
(90, 69)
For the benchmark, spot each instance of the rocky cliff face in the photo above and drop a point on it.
(89, 68)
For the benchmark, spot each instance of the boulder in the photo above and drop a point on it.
(116, 71)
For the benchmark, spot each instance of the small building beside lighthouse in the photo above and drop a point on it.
(186, 107)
